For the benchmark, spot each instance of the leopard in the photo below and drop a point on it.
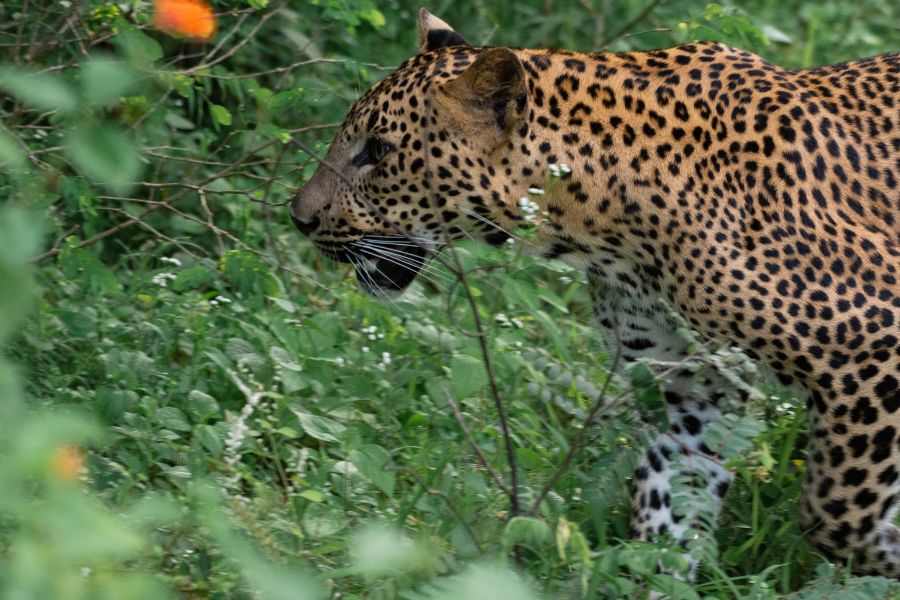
(697, 185)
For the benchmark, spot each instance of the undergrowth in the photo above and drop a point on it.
(197, 405)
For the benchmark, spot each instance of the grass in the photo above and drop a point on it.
(197, 405)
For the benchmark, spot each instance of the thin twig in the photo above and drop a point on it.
(475, 447)
(631, 23)
(443, 496)
(576, 444)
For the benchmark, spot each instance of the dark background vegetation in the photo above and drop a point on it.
(202, 407)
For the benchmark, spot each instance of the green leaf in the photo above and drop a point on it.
(374, 16)
(211, 439)
(176, 121)
(312, 495)
(467, 376)
(44, 91)
(173, 418)
(104, 80)
(193, 277)
(371, 460)
(139, 47)
(481, 582)
(202, 405)
(528, 531)
(80, 265)
(104, 154)
(11, 156)
(321, 428)
(220, 114)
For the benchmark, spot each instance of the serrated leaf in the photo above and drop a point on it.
(321, 428)
(202, 405)
(211, 439)
(193, 277)
(173, 418)
(284, 359)
(371, 460)
(529, 531)
(467, 376)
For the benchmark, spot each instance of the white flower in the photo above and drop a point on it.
(222, 300)
(171, 260)
(529, 208)
(162, 279)
(339, 361)
(365, 348)
(565, 168)
(536, 191)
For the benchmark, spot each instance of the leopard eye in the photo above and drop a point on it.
(378, 149)
(372, 152)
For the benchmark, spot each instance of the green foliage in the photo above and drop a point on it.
(203, 407)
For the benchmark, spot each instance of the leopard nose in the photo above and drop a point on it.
(306, 227)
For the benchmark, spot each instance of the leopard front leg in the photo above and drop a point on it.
(637, 326)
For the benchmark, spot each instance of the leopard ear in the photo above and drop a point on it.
(492, 89)
(435, 33)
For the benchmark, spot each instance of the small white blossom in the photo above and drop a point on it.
(365, 348)
(339, 361)
(536, 191)
(162, 279)
(529, 208)
(565, 168)
(171, 260)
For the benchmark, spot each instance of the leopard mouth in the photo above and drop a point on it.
(385, 265)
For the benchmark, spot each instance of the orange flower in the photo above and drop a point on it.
(189, 18)
(67, 462)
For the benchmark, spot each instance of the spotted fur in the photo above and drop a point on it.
(761, 204)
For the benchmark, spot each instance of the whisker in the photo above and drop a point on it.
(361, 271)
(487, 221)
(410, 259)
(425, 269)
(399, 243)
